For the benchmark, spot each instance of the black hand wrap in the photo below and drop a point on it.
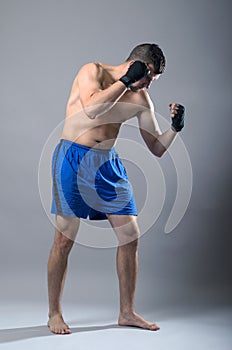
(178, 119)
(136, 71)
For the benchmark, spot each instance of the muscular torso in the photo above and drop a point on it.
(102, 131)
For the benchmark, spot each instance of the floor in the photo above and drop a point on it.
(23, 326)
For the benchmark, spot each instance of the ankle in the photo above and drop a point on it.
(127, 311)
(54, 313)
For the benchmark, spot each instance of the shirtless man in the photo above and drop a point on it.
(94, 116)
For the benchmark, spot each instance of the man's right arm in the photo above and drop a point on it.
(96, 101)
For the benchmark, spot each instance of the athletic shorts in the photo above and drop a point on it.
(89, 183)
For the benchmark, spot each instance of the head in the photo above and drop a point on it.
(152, 55)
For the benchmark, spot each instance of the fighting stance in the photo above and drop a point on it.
(89, 179)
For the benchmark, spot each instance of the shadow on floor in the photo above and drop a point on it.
(15, 334)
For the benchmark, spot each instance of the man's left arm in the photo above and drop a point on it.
(156, 141)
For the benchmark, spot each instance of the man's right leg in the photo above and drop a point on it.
(66, 231)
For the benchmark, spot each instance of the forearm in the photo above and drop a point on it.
(102, 101)
(163, 142)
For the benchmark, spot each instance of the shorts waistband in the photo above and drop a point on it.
(87, 148)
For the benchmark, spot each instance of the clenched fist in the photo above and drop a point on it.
(177, 114)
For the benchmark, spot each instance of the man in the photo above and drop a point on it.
(89, 179)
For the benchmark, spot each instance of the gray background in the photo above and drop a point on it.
(43, 45)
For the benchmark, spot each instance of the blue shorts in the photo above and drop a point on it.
(89, 182)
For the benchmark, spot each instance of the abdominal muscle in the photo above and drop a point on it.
(99, 133)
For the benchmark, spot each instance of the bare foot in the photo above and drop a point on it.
(57, 325)
(133, 319)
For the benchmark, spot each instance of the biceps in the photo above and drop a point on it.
(87, 91)
(88, 83)
(149, 127)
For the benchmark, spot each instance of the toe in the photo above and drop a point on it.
(154, 327)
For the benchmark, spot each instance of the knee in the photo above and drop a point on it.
(130, 237)
(67, 225)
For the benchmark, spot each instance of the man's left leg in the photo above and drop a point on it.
(127, 231)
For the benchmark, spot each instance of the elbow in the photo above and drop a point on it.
(90, 112)
(161, 152)
(89, 109)
(159, 155)
(158, 150)
(91, 115)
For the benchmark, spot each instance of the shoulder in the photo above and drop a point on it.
(91, 69)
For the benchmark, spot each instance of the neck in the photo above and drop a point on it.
(118, 71)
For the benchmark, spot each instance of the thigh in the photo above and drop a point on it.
(66, 198)
(125, 227)
(67, 225)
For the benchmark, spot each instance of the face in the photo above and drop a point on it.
(145, 82)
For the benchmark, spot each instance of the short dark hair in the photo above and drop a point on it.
(150, 54)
